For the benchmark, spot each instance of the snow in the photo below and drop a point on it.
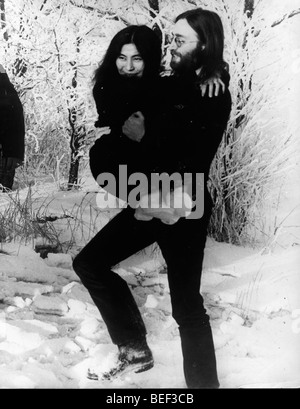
(51, 333)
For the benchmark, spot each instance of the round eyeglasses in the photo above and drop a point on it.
(179, 41)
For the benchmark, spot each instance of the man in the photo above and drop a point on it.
(190, 128)
(12, 131)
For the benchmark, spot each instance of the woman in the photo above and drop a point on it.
(125, 89)
(126, 93)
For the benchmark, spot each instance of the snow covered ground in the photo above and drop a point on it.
(51, 333)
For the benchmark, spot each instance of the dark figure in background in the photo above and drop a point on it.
(184, 131)
(12, 131)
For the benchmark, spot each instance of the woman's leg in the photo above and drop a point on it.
(122, 237)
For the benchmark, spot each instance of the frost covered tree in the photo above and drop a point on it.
(43, 58)
(51, 49)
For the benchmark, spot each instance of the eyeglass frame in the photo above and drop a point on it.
(179, 43)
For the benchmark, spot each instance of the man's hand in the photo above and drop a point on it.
(169, 210)
(166, 216)
(134, 127)
(153, 205)
(2, 69)
(211, 84)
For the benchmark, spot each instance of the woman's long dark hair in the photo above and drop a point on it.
(148, 45)
(208, 25)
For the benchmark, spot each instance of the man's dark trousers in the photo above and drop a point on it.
(182, 246)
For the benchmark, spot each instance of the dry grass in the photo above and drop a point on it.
(19, 220)
(43, 221)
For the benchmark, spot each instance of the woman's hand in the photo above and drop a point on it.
(134, 127)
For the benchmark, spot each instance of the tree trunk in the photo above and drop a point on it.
(74, 161)
(249, 7)
(3, 19)
(77, 131)
(73, 172)
(77, 134)
(154, 9)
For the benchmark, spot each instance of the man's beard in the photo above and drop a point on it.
(187, 63)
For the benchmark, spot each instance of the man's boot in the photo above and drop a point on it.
(133, 357)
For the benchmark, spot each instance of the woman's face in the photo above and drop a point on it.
(130, 63)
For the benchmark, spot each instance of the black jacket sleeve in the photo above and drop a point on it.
(204, 132)
(191, 128)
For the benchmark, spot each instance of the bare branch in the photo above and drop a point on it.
(107, 14)
(82, 6)
(277, 22)
(286, 16)
(58, 52)
(194, 3)
(43, 5)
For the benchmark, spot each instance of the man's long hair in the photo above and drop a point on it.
(148, 45)
(209, 28)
